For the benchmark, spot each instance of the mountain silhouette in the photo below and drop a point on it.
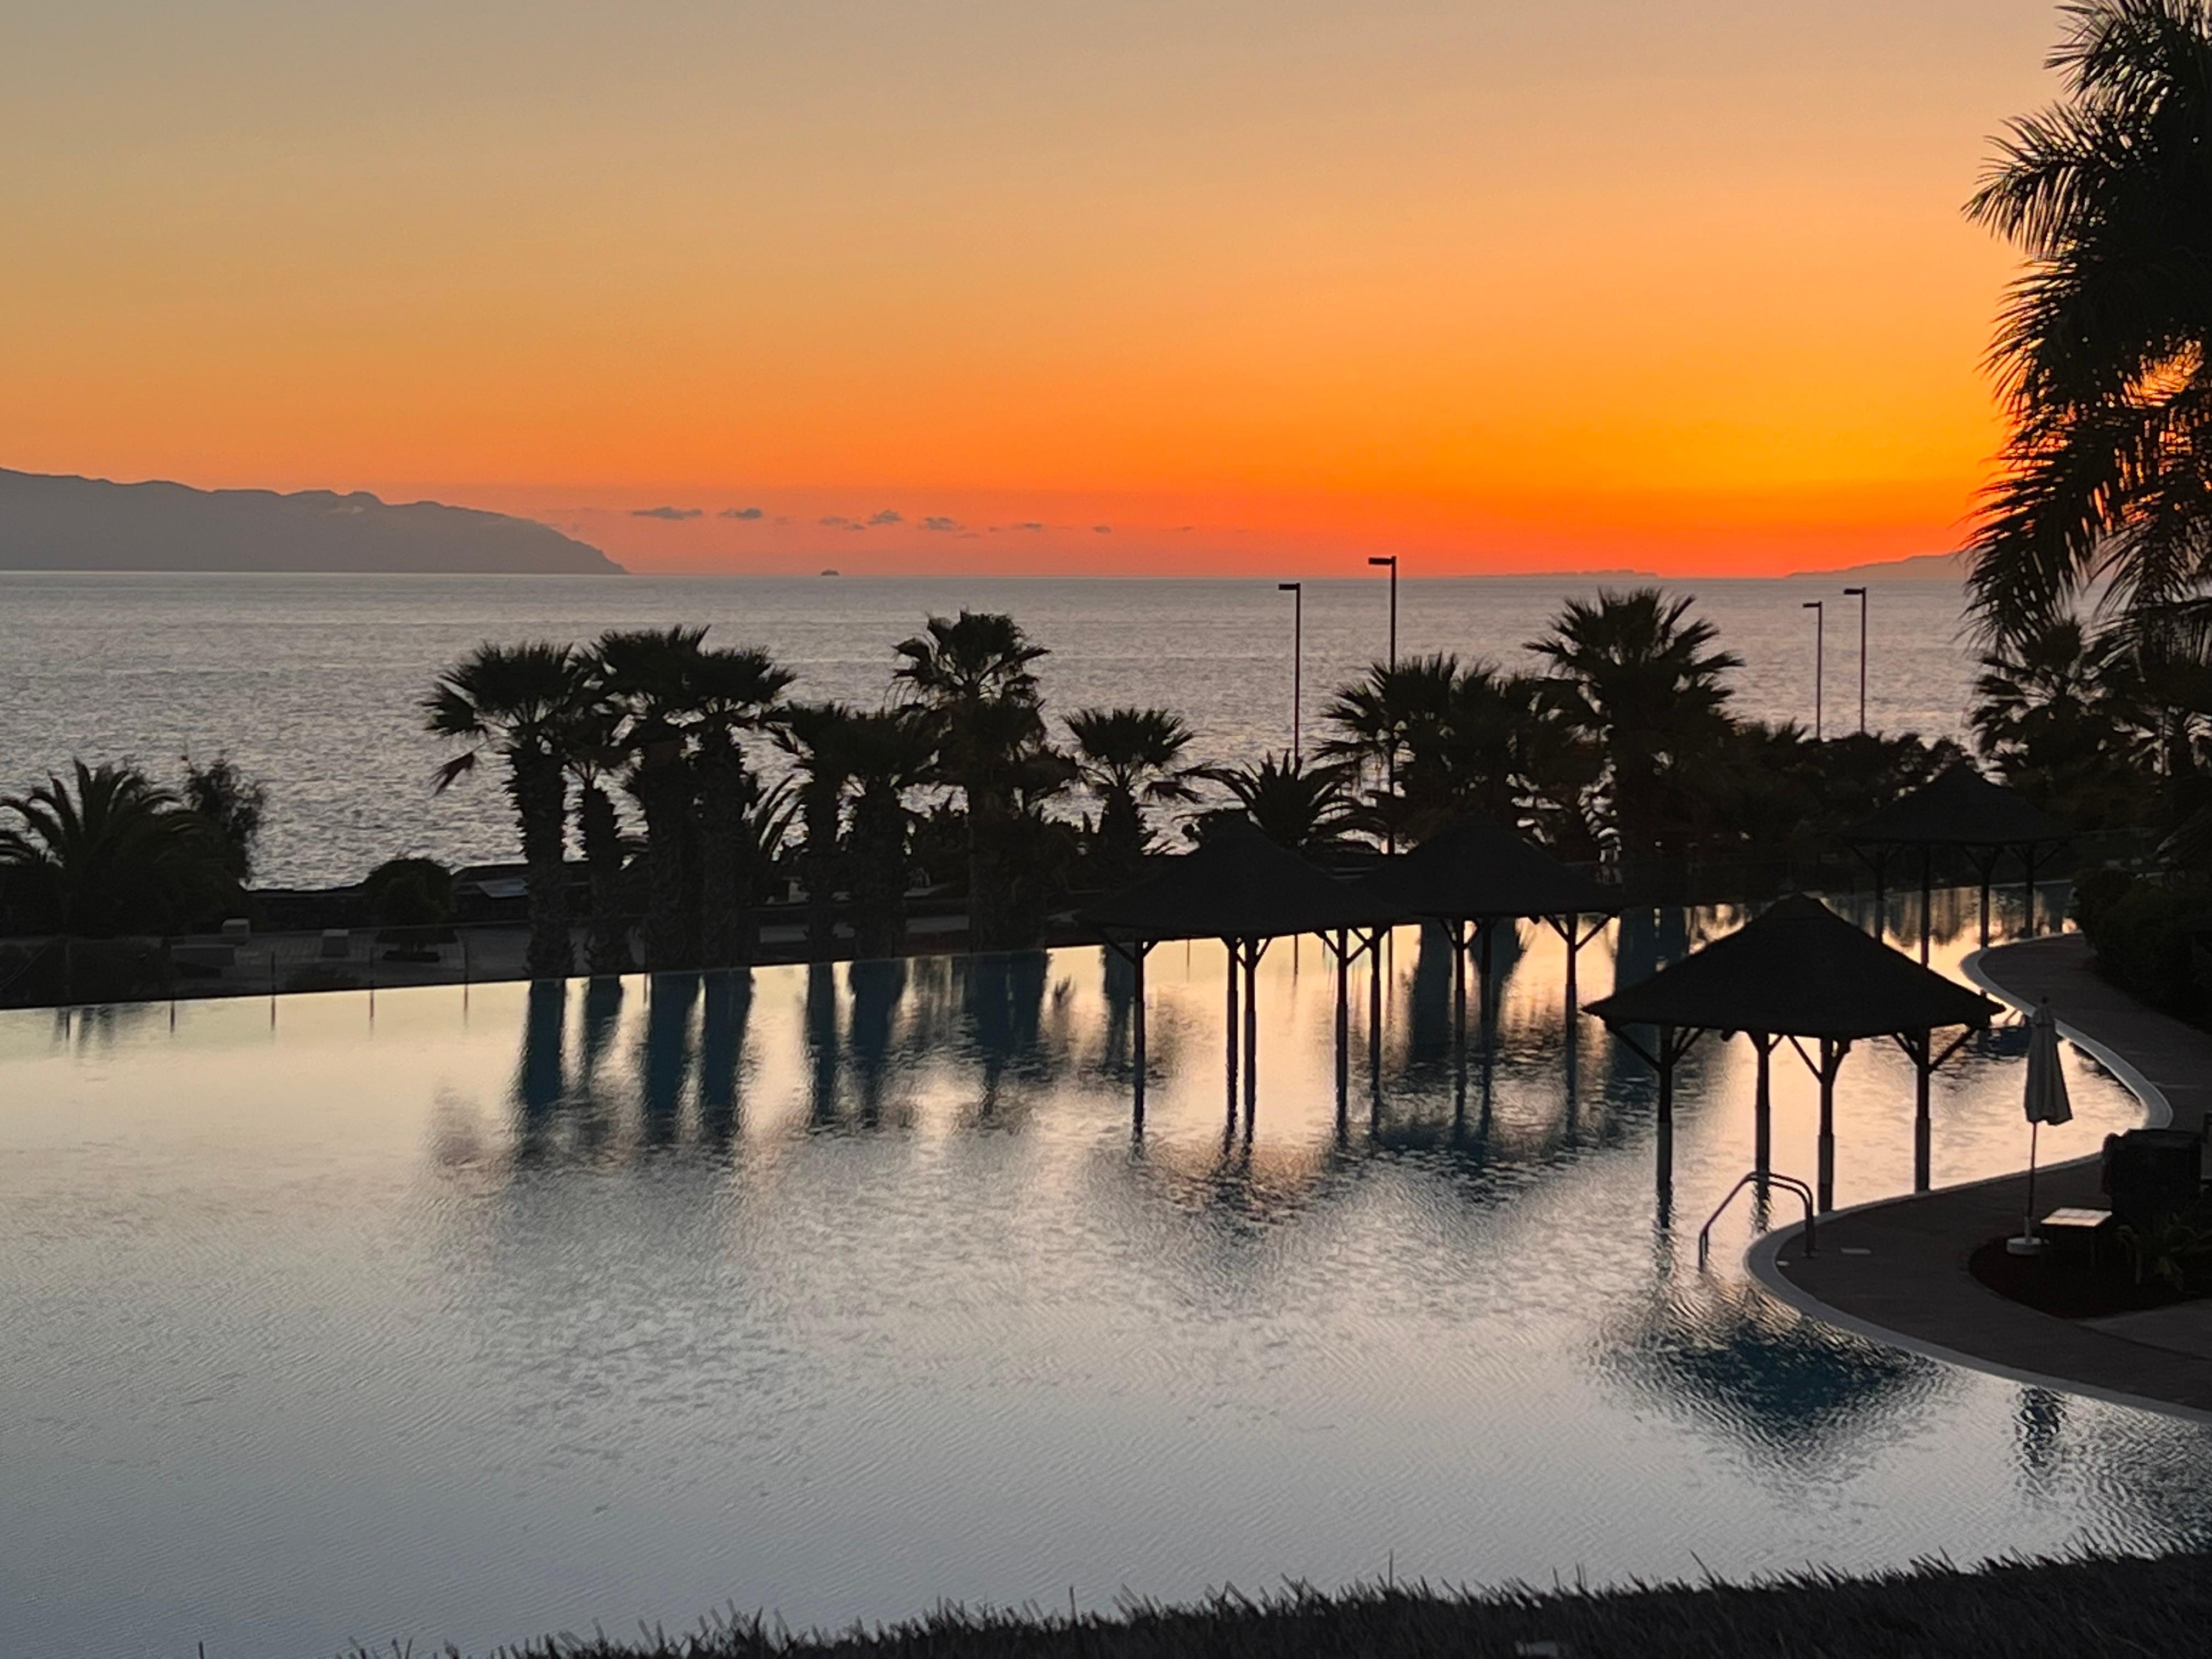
(54, 523)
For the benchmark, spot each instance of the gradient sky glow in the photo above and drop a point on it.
(1262, 286)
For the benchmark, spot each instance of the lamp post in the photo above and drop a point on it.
(1860, 593)
(1392, 561)
(1298, 592)
(1819, 608)
(1390, 836)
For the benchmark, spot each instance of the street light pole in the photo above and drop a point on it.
(1860, 593)
(1298, 592)
(1390, 836)
(1392, 561)
(1818, 608)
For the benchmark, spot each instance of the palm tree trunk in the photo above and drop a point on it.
(539, 790)
(722, 806)
(818, 865)
(987, 870)
(607, 950)
(879, 873)
(663, 791)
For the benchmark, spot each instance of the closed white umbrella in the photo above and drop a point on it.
(2045, 1103)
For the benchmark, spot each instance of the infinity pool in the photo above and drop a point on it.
(473, 1316)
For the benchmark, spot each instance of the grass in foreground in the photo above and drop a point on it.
(2076, 1607)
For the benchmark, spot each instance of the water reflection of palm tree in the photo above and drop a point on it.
(728, 1004)
(1005, 1010)
(538, 1084)
(877, 988)
(603, 1003)
(823, 1044)
(666, 1059)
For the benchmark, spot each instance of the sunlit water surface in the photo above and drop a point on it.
(477, 1316)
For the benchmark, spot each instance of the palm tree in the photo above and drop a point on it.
(730, 692)
(2053, 713)
(1632, 671)
(649, 676)
(972, 678)
(891, 753)
(1379, 718)
(520, 702)
(234, 801)
(2104, 350)
(1128, 757)
(819, 736)
(1304, 806)
(593, 757)
(117, 854)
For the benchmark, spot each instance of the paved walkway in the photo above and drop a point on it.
(1896, 1270)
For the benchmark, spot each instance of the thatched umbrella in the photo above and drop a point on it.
(1476, 873)
(1802, 973)
(1241, 888)
(1961, 809)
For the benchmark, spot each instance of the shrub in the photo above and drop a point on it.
(2151, 940)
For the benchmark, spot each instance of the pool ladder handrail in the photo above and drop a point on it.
(1768, 1178)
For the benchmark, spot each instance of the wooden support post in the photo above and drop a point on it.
(1459, 1007)
(1927, 892)
(1253, 948)
(1137, 954)
(1374, 1010)
(1230, 945)
(1572, 934)
(1831, 1057)
(2028, 857)
(1922, 1047)
(1762, 1108)
(1667, 1055)
(1343, 1021)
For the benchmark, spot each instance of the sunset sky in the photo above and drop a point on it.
(1063, 287)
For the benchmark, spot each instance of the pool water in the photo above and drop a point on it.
(469, 1317)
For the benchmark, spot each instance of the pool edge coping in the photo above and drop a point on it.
(1759, 1259)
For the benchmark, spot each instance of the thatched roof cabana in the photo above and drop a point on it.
(1241, 888)
(1958, 809)
(1801, 973)
(1475, 871)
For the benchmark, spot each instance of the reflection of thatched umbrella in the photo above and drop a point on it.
(1726, 1354)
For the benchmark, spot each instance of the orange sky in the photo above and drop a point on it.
(1261, 287)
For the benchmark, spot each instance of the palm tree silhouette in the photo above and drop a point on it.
(118, 853)
(648, 676)
(819, 736)
(1128, 757)
(972, 678)
(521, 704)
(731, 692)
(2102, 349)
(1304, 807)
(891, 752)
(1632, 672)
(593, 757)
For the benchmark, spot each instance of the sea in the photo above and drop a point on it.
(313, 683)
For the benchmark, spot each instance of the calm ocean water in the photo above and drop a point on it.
(311, 681)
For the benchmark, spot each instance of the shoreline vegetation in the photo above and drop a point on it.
(2026, 1609)
(681, 806)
